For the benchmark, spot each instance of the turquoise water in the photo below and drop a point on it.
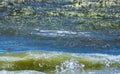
(60, 37)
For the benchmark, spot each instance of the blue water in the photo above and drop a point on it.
(42, 30)
(18, 43)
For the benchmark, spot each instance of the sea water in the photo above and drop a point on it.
(59, 37)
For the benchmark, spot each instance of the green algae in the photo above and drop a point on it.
(91, 65)
(92, 15)
(8, 31)
(41, 64)
(46, 61)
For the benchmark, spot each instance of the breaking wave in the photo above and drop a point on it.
(57, 62)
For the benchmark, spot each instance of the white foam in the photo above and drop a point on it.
(20, 72)
(61, 33)
(69, 66)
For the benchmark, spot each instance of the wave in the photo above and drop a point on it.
(60, 33)
(57, 62)
(71, 34)
(36, 32)
(20, 72)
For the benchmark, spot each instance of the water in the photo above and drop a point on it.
(68, 62)
(60, 37)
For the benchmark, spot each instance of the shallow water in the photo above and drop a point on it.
(60, 37)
